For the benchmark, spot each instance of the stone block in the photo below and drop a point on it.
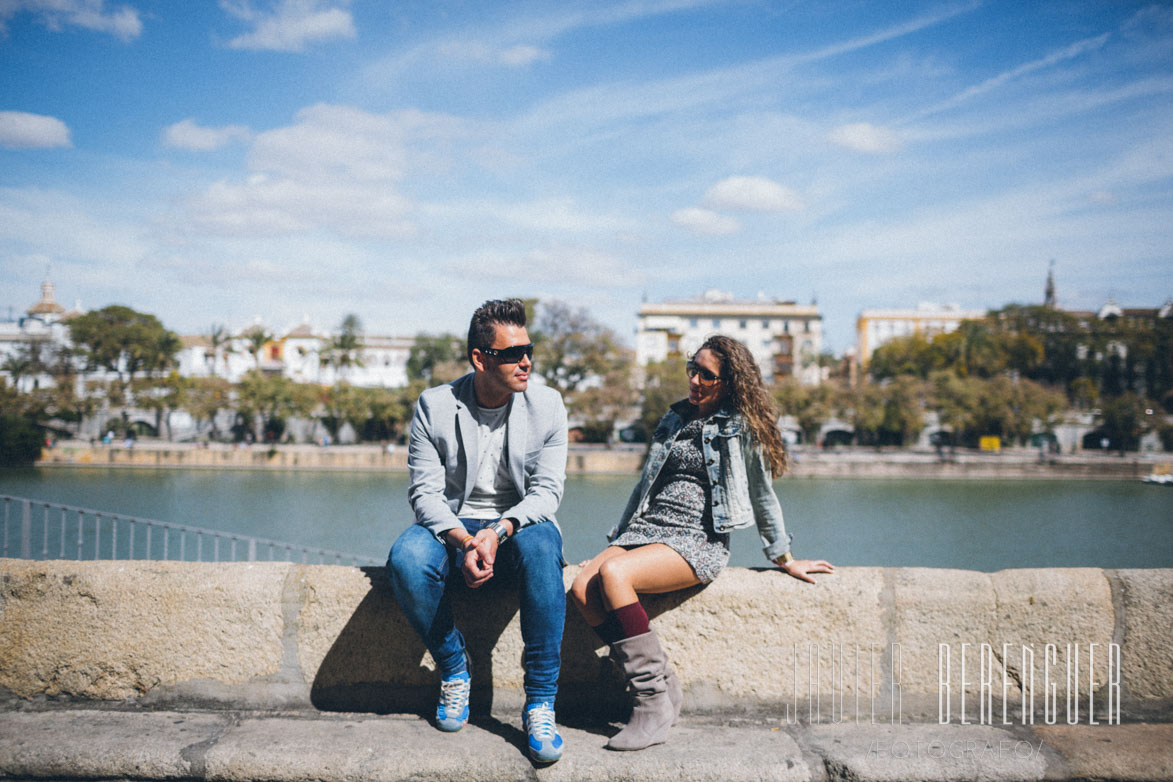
(752, 636)
(1147, 656)
(940, 606)
(116, 630)
(1139, 752)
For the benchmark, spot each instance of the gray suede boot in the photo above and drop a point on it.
(675, 691)
(644, 664)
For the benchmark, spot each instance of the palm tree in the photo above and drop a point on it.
(26, 362)
(343, 350)
(218, 337)
(18, 367)
(257, 338)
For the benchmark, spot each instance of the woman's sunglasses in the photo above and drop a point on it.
(693, 370)
(510, 355)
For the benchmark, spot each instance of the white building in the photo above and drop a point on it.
(40, 331)
(785, 338)
(878, 326)
(300, 354)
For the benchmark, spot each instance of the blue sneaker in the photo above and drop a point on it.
(545, 743)
(452, 710)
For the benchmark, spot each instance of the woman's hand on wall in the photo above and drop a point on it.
(803, 568)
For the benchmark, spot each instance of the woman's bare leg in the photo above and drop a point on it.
(651, 569)
(586, 592)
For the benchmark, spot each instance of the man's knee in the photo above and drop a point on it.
(539, 542)
(413, 552)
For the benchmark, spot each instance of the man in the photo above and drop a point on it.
(487, 461)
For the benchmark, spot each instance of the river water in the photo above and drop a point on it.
(972, 524)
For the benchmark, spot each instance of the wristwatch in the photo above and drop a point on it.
(502, 532)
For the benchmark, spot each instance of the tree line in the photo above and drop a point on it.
(1017, 372)
(136, 357)
(1024, 363)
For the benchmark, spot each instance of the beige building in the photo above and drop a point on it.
(874, 327)
(785, 338)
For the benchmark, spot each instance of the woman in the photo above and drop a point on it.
(708, 471)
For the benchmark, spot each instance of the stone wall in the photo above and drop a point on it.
(864, 643)
(624, 460)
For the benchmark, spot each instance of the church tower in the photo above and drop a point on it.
(1049, 295)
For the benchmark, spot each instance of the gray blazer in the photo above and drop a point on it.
(442, 454)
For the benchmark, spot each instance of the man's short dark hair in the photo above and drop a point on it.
(483, 326)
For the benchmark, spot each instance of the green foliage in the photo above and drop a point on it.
(345, 350)
(811, 406)
(1003, 406)
(572, 347)
(1165, 432)
(375, 414)
(1126, 418)
(1097, 359)
(891, 413)
(255, 340)
(20, 441)
(272, 399)
(207, 396)
(124, 341)
(665, 383)
(436, 359)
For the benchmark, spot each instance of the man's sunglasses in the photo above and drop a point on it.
(706, 376)
(510, 355)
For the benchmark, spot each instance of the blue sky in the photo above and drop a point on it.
(211, 162)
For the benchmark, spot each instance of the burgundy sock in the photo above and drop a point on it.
(632, 619)
(609, 631)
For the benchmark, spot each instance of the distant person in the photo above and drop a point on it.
(487, 463)
(708, 471)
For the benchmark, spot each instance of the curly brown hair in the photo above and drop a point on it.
(748, 395)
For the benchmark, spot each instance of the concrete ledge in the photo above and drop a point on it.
(247, 746)
(865, 641)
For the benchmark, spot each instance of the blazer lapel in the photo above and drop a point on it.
(518, 423)
(466, 430)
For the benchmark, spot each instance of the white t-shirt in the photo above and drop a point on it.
(494, 492)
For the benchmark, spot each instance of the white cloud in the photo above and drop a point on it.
(578, 267)
(559, 216)
(188, 135)
(122, 23)
(865, 137)
(484, 54)
(289, 25)
(704, 222)
(336, 168)
(20, 130)
(752, 194)
(334, 141)
(518, 56)
(1054, 58)
(62, 226)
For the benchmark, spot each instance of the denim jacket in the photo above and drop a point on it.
(742, 490)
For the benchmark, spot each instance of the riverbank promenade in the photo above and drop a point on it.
(622, 459)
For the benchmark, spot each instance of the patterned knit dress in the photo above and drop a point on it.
(679, 513)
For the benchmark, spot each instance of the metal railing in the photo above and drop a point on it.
(34, 529)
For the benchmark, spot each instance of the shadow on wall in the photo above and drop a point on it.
(377, 662)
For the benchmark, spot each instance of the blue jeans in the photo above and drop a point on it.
(423, 571)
